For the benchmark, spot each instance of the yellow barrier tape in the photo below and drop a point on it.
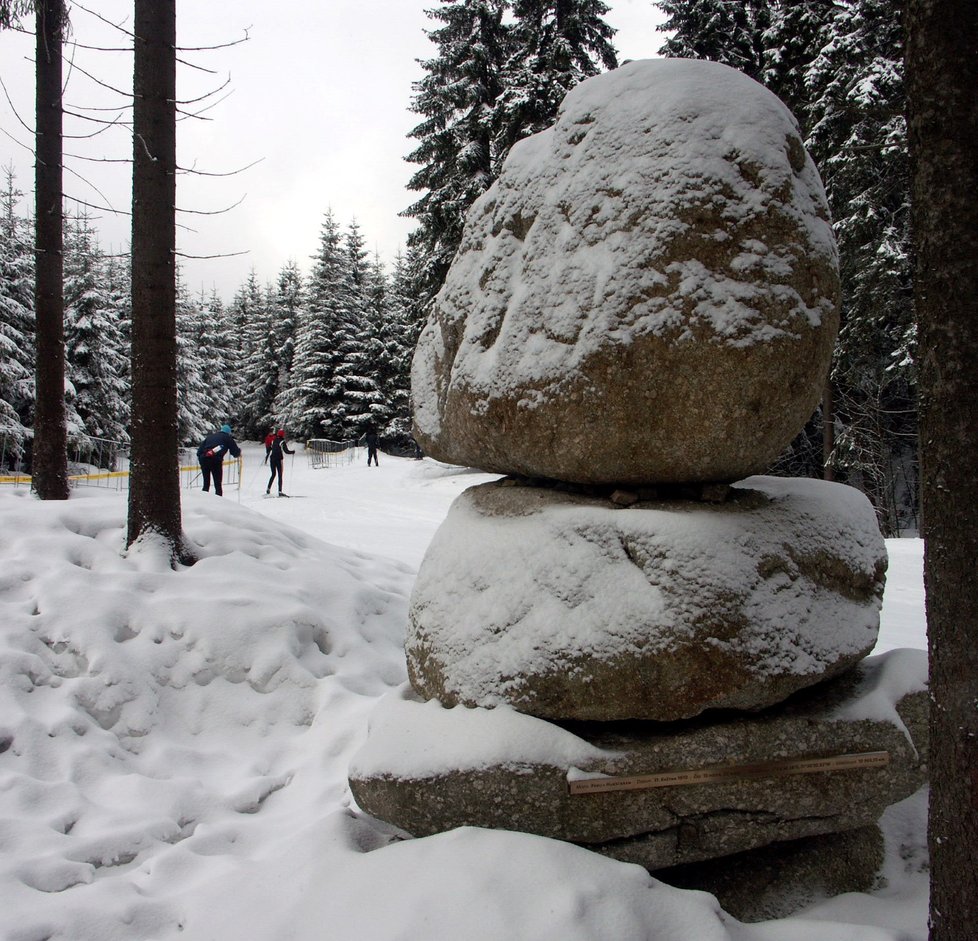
(106, 475)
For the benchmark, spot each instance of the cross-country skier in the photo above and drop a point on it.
(210, 456)
(276, 456)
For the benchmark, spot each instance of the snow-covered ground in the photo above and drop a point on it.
(174, 745)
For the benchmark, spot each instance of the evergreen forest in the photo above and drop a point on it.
(324, 348)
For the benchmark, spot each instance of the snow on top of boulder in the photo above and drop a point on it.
(412, 739)
(415, 738)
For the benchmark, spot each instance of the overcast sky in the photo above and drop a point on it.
(319, 94)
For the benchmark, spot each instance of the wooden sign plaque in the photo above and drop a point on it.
(719, 773)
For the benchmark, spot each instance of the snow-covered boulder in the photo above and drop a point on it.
(648, 293)
(427, 769)
(567, 606)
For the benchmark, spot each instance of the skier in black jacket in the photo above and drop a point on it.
(275, 459)
(372, 442)
(210, 456)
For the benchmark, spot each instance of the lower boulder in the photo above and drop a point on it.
(778, 880)
(427, 769)
(571, 606)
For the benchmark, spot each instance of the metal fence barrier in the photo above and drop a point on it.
(326, 453)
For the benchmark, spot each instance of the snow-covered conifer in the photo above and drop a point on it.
(198, 378)
(859, 139)
(718, 30)
(259, 369)
(16, 319)
(96, 353)
(358, 399)
(552, 46)
(310, 403)
(456, 100)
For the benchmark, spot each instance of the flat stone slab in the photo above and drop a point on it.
(568, 606)
(648, 293)
(427, 769)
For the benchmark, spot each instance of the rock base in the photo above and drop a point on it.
(427, 769)
(778, 880)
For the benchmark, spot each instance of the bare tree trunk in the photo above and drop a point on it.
(154, 491)
(828, 431)
(942, 76)
(49, 466)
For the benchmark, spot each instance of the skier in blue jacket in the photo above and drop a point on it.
(210, 456)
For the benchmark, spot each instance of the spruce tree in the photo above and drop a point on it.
(49, 463)
(16, 322)
(310, 402)
(942, 73)
(457, 100)
(198, 380)
(358, 399)
(218, 348)
(859, 140)
(207, 367)
(287, 306)
(718, 30)
(96, 356)
(795, 37)
(382, 339)
(553, 45)
(838, 66)
(403, 328)
(259, 371)
(154, 481)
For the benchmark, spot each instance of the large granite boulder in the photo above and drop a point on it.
(427, 769)
(567, 606)
(648, 293)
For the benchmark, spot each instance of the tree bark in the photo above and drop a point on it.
(154, 486)
(942, 76)
(49, 465)
(828, 431)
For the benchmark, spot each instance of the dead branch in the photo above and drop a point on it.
(6, 94)
(99, 159)
(111, 88)
(82, 202)
(199, 68)
(197, 114)
(212, 212)
(225, 45)
(205, 257)
(204, 97)
(106, 125)
(99, 16)
(26, 147)
(105, 198)
(193, 171)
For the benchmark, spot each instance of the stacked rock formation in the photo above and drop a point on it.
(640, 316)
